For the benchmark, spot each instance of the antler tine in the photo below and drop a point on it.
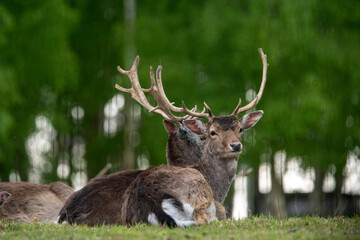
(197, 114)
(163, 107)
(136, 90)
(157, 91)
(253, 103)
(209, 110)
(162, 92)
(152, 80)
(162, 98)
(194, 109)
(237, 107)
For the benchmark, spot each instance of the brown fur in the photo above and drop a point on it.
(185, 148)
(31, 202)
(87, 207)
(4, 197)
(150, 187)
(218, 163)
(100, 201)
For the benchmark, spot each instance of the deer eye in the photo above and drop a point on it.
(241, 130)
(213, 133)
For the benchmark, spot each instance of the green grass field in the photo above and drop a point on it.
(251, 228)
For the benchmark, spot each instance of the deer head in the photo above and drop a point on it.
(4, 197)
(224, 132)
(184, 147)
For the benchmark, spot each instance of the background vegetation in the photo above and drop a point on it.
(61, 117)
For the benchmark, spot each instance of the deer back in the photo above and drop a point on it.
(32, 202)
(99, 201)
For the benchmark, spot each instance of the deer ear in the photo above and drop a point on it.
(170, 127)
(196, 126)
(250, 119)
(4, 196)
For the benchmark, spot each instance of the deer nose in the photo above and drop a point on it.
(235, 147)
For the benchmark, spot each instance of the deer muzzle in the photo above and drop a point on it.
(235, 147)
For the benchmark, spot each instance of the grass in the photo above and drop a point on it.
(250, 228)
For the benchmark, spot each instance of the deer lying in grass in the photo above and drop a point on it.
(95, 204)
(223, 145)
(31, 202)
(218, 163)
(222, 148)
(223, 141)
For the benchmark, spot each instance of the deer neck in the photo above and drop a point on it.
(218, 171)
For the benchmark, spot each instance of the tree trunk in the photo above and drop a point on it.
(277, 196)
(316, 197)
(338, 208)
(129, 55)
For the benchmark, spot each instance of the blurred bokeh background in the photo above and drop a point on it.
(62, 119)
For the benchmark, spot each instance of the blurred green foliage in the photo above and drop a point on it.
(59, 54)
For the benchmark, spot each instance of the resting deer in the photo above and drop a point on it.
(223, 141)
(31, 202)
(101, 200)
(164, 108)
(222, 147)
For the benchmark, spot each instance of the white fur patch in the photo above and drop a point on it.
(184, 223)
(57, 220)
(152, 219)
(181, 218)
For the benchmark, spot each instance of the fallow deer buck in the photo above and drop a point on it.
(101, 200)
(223, 141)
(154, 186)
(31, 202)
(222, 146)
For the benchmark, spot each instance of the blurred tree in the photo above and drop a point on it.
(41, 70)
(58, 60)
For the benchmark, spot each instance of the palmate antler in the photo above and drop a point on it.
(164, 107)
